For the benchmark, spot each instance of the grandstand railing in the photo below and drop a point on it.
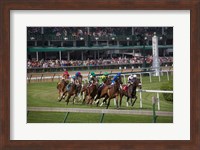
(53, 37)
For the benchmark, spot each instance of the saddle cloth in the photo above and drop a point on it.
(125, 88)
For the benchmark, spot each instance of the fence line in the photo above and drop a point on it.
(100, 111)
(153, 91)
(124, 74)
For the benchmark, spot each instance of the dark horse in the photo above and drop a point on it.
(113, 91)
(61, 86)
(130, 91)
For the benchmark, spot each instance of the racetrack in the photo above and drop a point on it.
(44, 94)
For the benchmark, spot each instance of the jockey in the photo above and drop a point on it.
(115, 78)
(78, 74)
(65, 75)
(132, 78)
(92, 78)
(75, 77)
(104, 78)
(106, 74)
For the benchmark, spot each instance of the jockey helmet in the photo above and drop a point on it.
(103, 77)
(118, 74)
(66, 73)
(134, 76)
(93, 74)
(105, 73)
(78, 74)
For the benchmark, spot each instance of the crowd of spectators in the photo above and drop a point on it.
(91, 62)
(97, 31)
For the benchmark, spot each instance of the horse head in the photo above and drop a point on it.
(120, 80)
(108, 81)
(138, 84)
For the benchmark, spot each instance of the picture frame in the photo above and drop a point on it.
(7, 6)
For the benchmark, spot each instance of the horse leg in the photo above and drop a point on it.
(88, 99)
(59, 96)
(104, 101)
(127, 101)
(68, 97)
(73, 101)
(120, 102)
(134, 100)
(108, 103)
(84, 97)
(117, 106)
(131, 101)
(91, 100)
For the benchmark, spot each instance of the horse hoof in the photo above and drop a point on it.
(96, 101)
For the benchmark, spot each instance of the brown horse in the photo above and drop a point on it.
(102, 90)
(61, 86)
(130, 92)
(113, 91)
(90, 91)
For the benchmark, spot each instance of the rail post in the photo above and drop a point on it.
(158, 100)
(53, 77)
(159, 76)
(29, 80)
(66, 116)
(101, 119)
(140, 77)
(140, 99)
(41, 77)
(154, 109)
(124, 78)
(167, 75)
(150, 77)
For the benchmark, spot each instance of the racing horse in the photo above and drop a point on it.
(130, 91)
(61, 86)
(102, 91)
(91, 92)
(113, 91)
(73, 89)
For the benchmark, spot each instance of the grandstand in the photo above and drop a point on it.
(82, 44)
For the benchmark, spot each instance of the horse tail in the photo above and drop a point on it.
(58, 85)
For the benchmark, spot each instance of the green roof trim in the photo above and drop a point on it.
(56, 49)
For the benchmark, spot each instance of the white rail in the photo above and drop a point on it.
(153, 91)
(103, 111)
